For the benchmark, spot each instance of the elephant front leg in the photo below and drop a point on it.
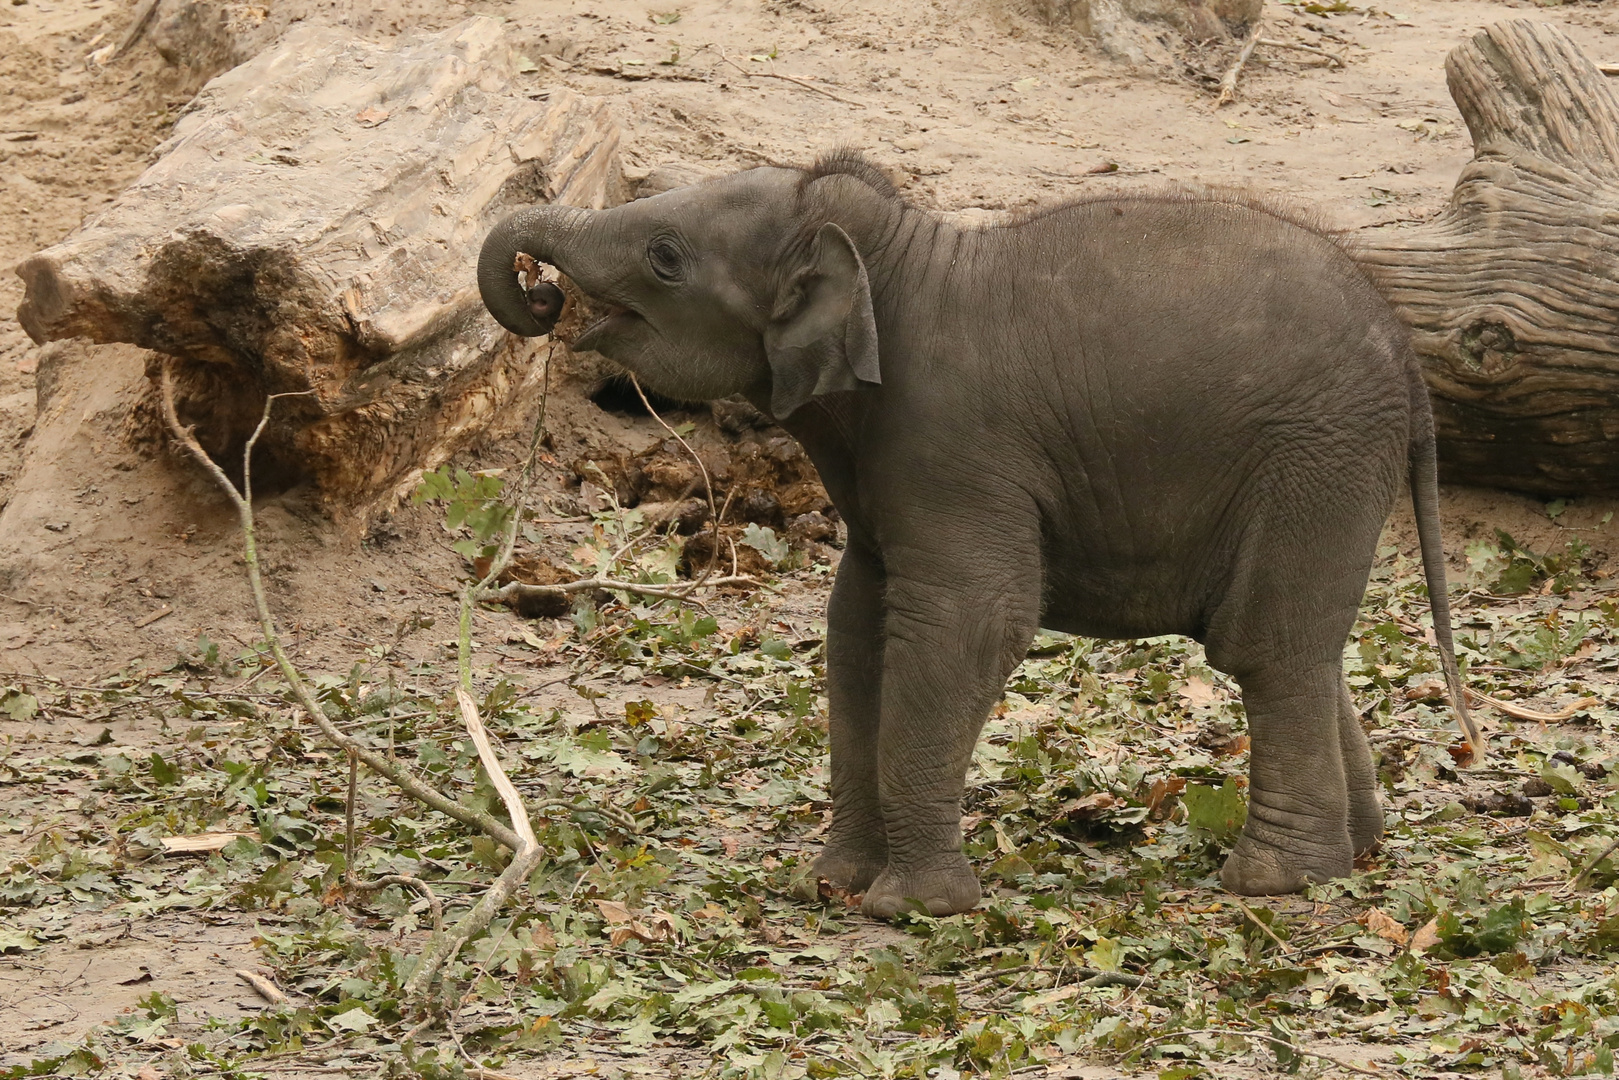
(1298, 797)
(945, 663)
(857, 844)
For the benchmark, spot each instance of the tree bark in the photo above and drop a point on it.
(312, 226)
(1512, 293)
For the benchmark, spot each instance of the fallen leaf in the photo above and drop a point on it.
(614, 912)
(1428, 690)
(1426, 937)
(1384, 926)
(1163, 789)
(150, 1072)
(1197, 691)
(1091, 806)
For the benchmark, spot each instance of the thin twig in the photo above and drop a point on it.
(1272, 43)
(1575, 881)
(305, 696)
(1257, 921)
(1272, 1039)
(708, 486)
(1228, 84)
(788, 78)
(444, 947)
(409, 881)
(1400, 736)
(348, 818)
(1520, 713)
(522, 590)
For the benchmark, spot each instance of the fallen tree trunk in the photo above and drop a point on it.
(312, 227)
(1512, 294)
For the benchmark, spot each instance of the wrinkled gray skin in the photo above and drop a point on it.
(1127, 417)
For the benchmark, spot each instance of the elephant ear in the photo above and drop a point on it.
(822, 337)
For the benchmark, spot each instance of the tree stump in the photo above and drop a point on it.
(312, 226)
(1512, 293)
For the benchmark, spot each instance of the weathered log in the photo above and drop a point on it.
(1512, 293)
(1132, 30)
(312, 226)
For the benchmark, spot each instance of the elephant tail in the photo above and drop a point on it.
(1424, 466)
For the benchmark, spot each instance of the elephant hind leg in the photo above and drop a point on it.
(1298, 828)
(1360, 775)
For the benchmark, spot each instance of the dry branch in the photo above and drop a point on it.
(823, 91)
(1272, 43)
(408, 881)
(263, 987)
(446, 945)
(1519, 712)
(520, 838)
(1228, 83)
(1512, 293)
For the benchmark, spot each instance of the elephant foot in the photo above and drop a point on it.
(943, 891)
(1257, 869)
(1365, 822)
(850, 868)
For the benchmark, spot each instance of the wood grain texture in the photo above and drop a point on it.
(1512, 293)
(312, 225)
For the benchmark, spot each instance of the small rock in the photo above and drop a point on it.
(1536, 788)
(812, 527)
(1502, 803)
(55, 526)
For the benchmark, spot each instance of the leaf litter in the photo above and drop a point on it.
(678, 773)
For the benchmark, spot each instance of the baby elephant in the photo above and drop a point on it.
(1126, 416)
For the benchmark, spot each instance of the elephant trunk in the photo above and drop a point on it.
(540, 232)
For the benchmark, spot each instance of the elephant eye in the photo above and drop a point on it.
(664, 255)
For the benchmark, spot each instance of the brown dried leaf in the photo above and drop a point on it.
(614, 912)
(1384, 926)
(1090, 807)
(1426, 937)
(1197, 692)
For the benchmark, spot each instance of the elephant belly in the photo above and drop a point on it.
(1145, 603)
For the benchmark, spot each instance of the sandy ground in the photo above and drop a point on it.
(976, 106)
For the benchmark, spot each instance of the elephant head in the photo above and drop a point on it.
(744, 284)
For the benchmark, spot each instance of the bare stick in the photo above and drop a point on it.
(1257, 921)
(1272, 43)
(1228, 84)
(1400, 736)
(445, 946)
(1521, 713)
(708, 486)
(263, 987)
(409, 881)
(432, 798)
(1272, 1039)
(1575, 881)
(348, 817)
(517, 589)
(788, 78)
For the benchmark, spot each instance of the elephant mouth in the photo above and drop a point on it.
(614, 319)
